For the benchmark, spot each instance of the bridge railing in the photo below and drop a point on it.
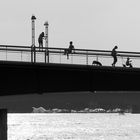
(86, 57)
(57, 55)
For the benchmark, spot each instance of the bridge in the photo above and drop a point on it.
(63, 80)
(26, 70)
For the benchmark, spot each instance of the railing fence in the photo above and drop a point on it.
(56, 55)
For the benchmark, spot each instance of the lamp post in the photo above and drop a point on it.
(46, 33)
(46, 40)
(33, 18)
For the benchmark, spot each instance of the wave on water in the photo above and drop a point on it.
(86, 110)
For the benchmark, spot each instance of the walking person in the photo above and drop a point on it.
(114, 55)
(40, 40)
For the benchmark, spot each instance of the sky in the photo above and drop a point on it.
(90, 24)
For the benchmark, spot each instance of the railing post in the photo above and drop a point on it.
(6, 53)
(21, 55)
(60, 56)
(34, 53)
(71, 58)
(45, 55)
(86, 57)
(48, 55)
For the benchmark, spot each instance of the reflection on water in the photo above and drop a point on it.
(80, 126)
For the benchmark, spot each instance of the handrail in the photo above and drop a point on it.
(47, 51)
(54, 48)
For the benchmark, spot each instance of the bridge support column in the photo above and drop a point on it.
(3, 124)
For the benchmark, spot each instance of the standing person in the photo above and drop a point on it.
(40, 40)
(114, 55)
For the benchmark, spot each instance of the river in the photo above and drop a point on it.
(73, 126)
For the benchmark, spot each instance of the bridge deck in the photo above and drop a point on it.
(25, 78)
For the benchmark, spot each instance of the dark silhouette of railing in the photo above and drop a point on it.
(57, 55)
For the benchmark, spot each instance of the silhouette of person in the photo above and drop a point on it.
(69, 50)
(114, 55)
(128, 62)
(40, 40)
(71, 47)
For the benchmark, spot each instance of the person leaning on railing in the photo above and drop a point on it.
(40, 40)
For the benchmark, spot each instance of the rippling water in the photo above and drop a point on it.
(80, 126)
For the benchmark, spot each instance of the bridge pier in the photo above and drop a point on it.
(3, 124)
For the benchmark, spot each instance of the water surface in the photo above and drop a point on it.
(74, 126)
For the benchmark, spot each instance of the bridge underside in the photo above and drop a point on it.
(105, 85)
(24, 78)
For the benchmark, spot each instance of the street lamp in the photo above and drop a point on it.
(33, 18)
(46, 41)
(46, 33)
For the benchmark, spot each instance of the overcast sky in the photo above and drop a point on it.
(90, 24)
